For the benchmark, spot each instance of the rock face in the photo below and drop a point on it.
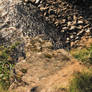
(27, 18)
(57, 20)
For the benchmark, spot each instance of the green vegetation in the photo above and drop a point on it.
(84, 54)
(82, 82)
(6, 65)
(2, 90)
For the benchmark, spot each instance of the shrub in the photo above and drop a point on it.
(82, 82)
(6, 65)
(84, 55)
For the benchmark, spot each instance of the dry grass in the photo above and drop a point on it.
(2, 90)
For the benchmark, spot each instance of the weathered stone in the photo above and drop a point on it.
(71, 36)
(69, 23)
(80, 22)
(33, 18)
(73, 27)
(88, 30)
(33, 1)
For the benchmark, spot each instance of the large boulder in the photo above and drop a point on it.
(27, 18)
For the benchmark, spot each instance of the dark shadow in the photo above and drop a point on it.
(34, 89)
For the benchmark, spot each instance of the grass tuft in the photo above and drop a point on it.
(6, 65)
(82, 82)
(84, 55)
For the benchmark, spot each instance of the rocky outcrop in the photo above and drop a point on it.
(60, 22)
(72, 20)
(26, 18)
